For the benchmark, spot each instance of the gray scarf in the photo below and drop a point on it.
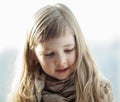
(59, 91)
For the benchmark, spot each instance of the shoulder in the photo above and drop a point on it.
(106, 91)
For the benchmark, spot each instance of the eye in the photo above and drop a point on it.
(49, 54)
(69, 50)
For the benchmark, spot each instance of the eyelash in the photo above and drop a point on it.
(52, 54)
(68, 51)
(48, 55)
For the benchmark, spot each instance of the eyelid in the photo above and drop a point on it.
(48, 54)
(45, 52)
(69, 50)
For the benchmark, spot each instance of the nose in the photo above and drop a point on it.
(61, 60)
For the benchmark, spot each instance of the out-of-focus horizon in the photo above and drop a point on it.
(99, 22)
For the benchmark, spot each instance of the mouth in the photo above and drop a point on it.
(62, 70)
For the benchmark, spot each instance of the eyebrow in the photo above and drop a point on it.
(68, 45)
(47, 49)
(43, 52)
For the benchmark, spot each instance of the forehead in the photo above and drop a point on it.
(53, 32)
(64, 40)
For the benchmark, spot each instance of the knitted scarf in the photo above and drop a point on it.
(59, 90)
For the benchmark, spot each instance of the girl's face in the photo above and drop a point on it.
(57, 56)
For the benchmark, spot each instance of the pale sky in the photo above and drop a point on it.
(99, 19)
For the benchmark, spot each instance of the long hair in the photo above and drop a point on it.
(50, 22)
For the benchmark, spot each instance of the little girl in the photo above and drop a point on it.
(57, 65)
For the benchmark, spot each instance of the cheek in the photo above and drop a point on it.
(72, 58)
(45, 63)
(72, 61)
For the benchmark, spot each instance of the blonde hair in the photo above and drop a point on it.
(50, 22)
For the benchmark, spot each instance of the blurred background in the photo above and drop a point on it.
(98, 19)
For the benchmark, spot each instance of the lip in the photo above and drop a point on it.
(62, 70)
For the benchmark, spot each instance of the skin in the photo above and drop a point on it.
(57, 56)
